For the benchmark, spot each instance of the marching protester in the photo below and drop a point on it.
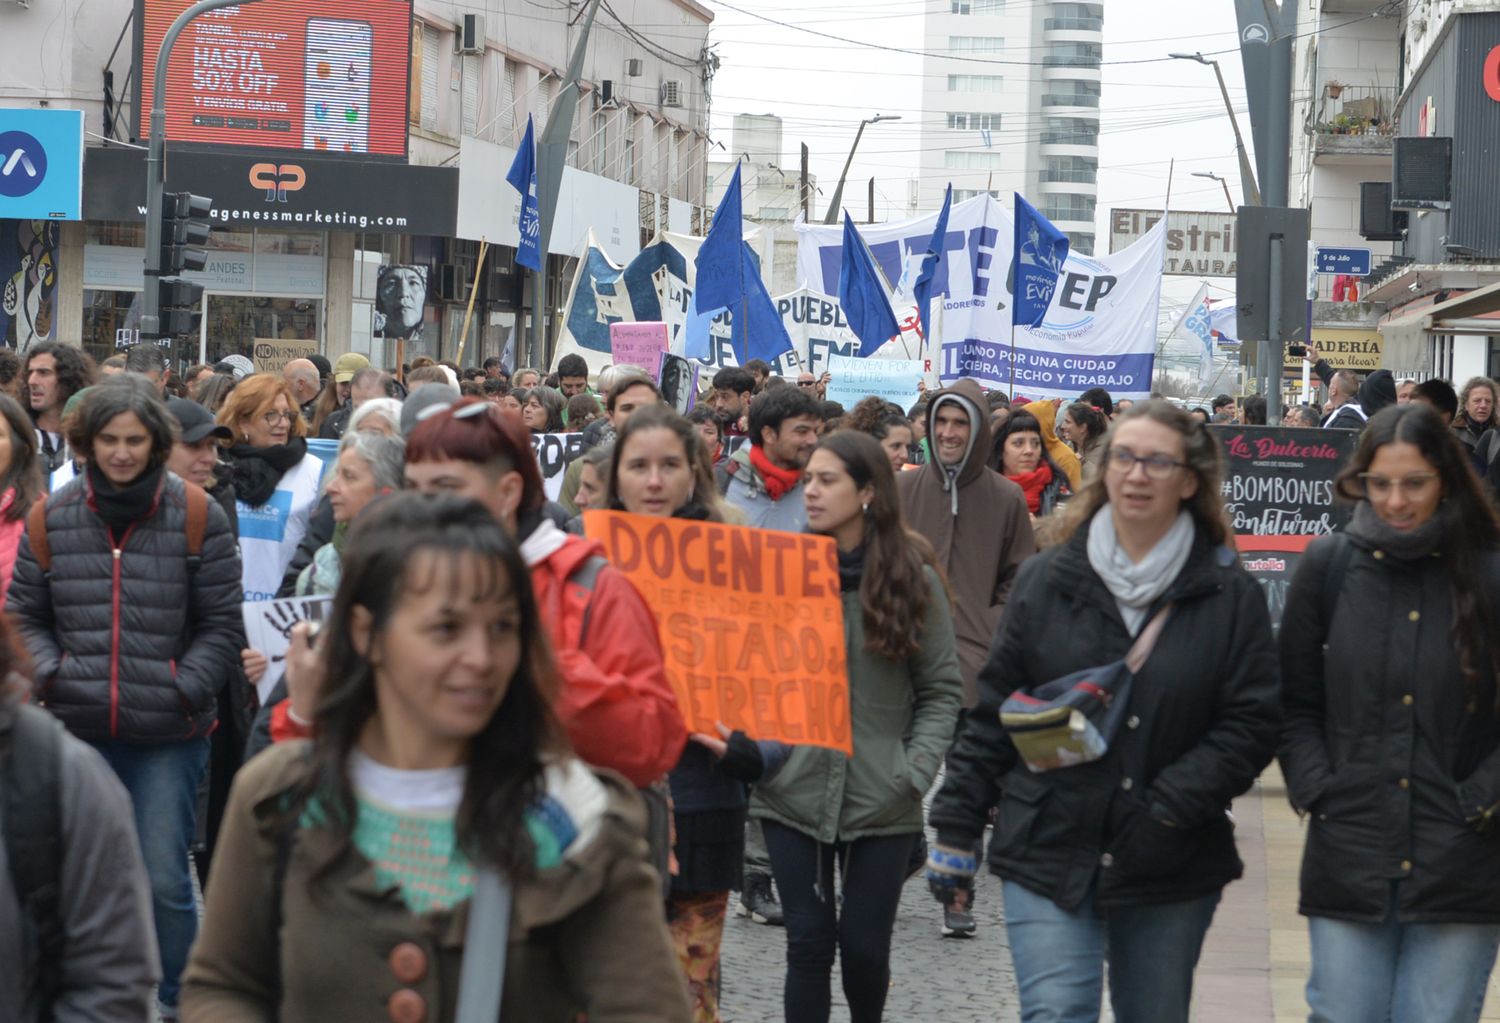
(1119, 852)
(887, 424)
(438, 790)
(711, 430)
(1084, 426)
(732, 390)
(628, 391)
(127, 592)
(355, 382)
(1391, 744)
(20, 482)
(543, 410)
(977, 523)
(1025, 462)
(275, 478)
(660, 468)
(864, 812)
(76, 941)
(763, 479)
(377, 415)
(53, 372)
(1062, 456)
(593, 482)
(369, 465)
(615, 703)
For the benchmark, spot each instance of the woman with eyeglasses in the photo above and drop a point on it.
(275, 478)
(1121, 858)
(1391, 744)
(542, 410)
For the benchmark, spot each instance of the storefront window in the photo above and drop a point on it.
(235, 322)
(111, 321)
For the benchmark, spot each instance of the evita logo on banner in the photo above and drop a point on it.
(1100, 329)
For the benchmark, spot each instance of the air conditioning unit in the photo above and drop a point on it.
(1377, 221)
(635, 67)
(468, 35)
(671, 94)
(453, 282)
(1422, 174)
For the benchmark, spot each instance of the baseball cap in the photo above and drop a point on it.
(349, 364)
(429, 396)
(196, 421)
(239, 366)
(322, 363)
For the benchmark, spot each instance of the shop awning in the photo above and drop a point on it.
(1474, 312)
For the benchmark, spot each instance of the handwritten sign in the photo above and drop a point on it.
(272, 353)
(751, 623)
(852, 380)
(554, 452)
(268, 629)
(637, 344)
(1278, 486)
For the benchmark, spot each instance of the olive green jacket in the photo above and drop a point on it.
(903, 715)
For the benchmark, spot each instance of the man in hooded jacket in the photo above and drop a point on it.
(1377, 391)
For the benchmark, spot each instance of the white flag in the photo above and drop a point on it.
(1195, 325)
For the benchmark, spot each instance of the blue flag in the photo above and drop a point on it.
(936, 249)
(862, 294)
(1041, 250)
(522, 176)
(759, 331)
(721, 260)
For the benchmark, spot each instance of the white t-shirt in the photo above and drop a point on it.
(269, 534)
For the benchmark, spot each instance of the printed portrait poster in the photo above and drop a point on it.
(1278, 486)
(400, 301)
(751, 623)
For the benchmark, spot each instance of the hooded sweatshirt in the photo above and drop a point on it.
(977, 522)
(1062, 455)
(1377, 391)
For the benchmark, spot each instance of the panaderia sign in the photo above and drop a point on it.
(1199, 243)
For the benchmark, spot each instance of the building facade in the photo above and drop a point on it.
(302, 232)
(1010, 103)
(771, 186)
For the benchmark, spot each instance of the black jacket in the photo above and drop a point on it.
(135, 647)
(1146, 820)
(1378, 744)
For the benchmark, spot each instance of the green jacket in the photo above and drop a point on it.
(903, 716)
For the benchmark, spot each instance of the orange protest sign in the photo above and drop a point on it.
(751, 623)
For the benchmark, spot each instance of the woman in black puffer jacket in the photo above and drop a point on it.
(1391, 745)
(131, 636)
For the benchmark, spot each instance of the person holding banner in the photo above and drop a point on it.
(1121, 855)
(438, 789)
(660, 468)
(1391, 745)
(864, 812)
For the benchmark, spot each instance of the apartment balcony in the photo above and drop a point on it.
(1071, 69)
(1355, 127)
(1069, 101)
(1074, 24)
(1070, 177)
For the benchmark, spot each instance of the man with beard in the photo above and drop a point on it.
(733, 388)
(54, 372)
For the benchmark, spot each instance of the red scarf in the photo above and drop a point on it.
(778, 480)
(1033, 483)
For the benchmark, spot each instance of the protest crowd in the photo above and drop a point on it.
(432, 694)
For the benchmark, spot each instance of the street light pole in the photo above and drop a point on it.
(838, 192)
(1223, 181)
(1247, 173)
(156, 168)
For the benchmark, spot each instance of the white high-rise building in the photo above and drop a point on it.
(1010, 103)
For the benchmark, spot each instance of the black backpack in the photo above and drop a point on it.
(33, 843)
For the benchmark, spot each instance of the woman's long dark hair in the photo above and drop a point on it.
(892, 592)
(1093, 420)
(1021, 421)
(391, 550)
(1472, 532)
(23, 474)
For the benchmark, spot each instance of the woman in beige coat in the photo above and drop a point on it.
(347, 864)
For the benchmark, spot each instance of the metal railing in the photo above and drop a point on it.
(1077, 99)
(1080, 177)
(1356, 110)
(1070, 138)
(1072, 60)
(1074, 24)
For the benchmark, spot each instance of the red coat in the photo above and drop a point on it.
(616, 704)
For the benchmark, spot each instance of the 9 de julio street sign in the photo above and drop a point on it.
(1353, 262)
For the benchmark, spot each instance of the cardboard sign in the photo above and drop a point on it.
(273, 353)
(637, 344)
(554, 452)
(751, 623)
(268, 629)
(851, 380)
(1278, 486)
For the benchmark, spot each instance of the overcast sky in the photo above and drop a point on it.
(1151, 112)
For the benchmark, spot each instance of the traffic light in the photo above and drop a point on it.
(185, 228)
(180, 307)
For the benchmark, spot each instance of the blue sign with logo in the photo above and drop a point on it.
(1353, 262)
(41, 164)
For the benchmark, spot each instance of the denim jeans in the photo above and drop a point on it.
(163, 786)
(1060, 955)
(1403, 973)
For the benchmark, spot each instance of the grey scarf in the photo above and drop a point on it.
(1406, 544)
(1136, 585)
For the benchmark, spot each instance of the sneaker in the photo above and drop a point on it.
(957, 923)
(758, 901)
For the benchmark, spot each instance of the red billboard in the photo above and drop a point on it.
(330, 77)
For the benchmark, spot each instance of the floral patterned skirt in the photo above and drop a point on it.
(696, 920)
